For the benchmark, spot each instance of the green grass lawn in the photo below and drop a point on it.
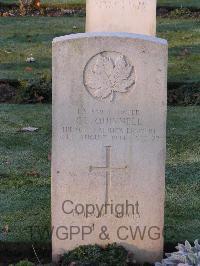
(183, 36)
(24, 169)
(22, 36)
(173, 3)
(25, 173)
(179, 3)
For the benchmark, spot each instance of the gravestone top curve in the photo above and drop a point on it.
(111, 35)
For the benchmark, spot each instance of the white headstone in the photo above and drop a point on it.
(133, 16)
(108, 163)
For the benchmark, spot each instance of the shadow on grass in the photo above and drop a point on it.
(14, 252)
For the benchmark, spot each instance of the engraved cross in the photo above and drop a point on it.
(108, 169)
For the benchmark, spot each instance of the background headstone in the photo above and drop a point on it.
(133, 16)
(109, 133)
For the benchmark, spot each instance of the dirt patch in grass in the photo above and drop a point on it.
(173, 12)
(14, 252)
(7, 91)
(51, 10)
(183, 94)
(40, 91)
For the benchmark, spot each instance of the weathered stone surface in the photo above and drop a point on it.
(108, 161)
(133, 16)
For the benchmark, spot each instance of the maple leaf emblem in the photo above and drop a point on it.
(108, 74)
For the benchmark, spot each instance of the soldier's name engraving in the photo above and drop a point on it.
(117, 125)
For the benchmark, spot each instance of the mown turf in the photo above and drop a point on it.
(24, 169)
(183, 36)
(179, 3)
(25, 173)
(20, 37)
(182, 175)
